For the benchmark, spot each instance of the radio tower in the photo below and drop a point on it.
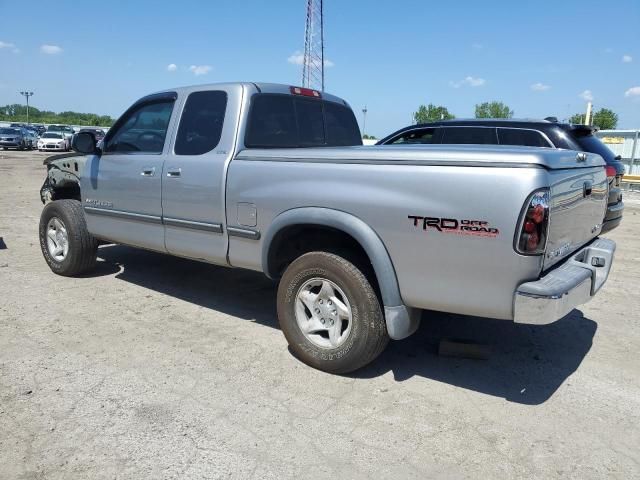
(313, 65)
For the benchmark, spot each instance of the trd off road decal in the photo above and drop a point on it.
(478, 228)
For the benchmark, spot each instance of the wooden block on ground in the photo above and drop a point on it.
(464, 349)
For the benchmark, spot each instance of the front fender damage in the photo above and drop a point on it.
(63, 177)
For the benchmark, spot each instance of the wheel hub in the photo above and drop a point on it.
(57, 239)
(323, 313)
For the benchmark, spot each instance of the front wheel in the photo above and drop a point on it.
(330, 314)
(67, 246)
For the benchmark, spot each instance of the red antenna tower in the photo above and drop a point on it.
(313, 65)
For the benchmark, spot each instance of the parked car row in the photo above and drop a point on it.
(52, 138)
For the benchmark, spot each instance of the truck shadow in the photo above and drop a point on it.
(527, 363)
(242, 293)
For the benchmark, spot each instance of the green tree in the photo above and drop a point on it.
(578, 118)
(605, 119)
(369, 137)
(431, 113)
(493, 110)
(18, 113)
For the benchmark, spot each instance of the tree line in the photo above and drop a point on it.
(604, 118)
(18, 113)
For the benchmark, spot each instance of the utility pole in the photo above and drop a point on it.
(587, 119)
(27, 95)
(364, 121)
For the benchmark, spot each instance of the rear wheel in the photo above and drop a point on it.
(330, 314)
(67, 246)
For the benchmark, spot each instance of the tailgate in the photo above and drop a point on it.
(578, 206)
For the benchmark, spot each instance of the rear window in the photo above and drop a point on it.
(469, 135)
(592, 144)
(286, 121)
(310, 122)
(342, 127)
(519, 136)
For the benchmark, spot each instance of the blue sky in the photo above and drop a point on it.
(542, 58)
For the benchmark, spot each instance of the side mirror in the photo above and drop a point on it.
(84, 142)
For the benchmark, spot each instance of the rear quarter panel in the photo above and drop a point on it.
(451, 271)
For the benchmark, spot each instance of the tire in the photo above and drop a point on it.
(81, 246)
(365, 333)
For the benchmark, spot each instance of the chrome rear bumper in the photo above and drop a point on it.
(571, 284)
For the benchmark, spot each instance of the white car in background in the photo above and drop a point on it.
(56, 141)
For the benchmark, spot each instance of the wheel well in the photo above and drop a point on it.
(296, 240)
(71, 192)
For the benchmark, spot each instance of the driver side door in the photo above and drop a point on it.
(121, 188)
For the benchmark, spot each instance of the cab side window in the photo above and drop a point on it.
(419, 137)
(470, 135)
(201, 123)
(143, 130)
(519, 136)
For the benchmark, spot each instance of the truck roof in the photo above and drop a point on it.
(260, 87)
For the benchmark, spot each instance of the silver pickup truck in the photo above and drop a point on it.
(273, 178)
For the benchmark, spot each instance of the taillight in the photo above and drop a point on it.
(532, 237)
(611, 172)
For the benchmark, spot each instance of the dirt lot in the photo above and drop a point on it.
(156, 367)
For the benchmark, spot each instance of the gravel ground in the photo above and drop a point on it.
(157, 367)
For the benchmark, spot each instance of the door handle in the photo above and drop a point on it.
(174, 172)
(148, 171)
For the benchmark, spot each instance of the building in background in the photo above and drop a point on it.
(626, 144)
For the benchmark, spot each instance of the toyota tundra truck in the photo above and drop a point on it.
(274, 178)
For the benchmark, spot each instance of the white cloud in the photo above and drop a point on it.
(50, 49)
(477, 46)
(172, 67)
(540, 87)
(632, 92)
(468, 81)
(587, 96)
(9, 46)
(627, 59)
(297, 58)
(200, 69)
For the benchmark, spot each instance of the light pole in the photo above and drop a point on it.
(364, 121)
(27, 95)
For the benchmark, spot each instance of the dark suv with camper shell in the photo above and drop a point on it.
(547, 133)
